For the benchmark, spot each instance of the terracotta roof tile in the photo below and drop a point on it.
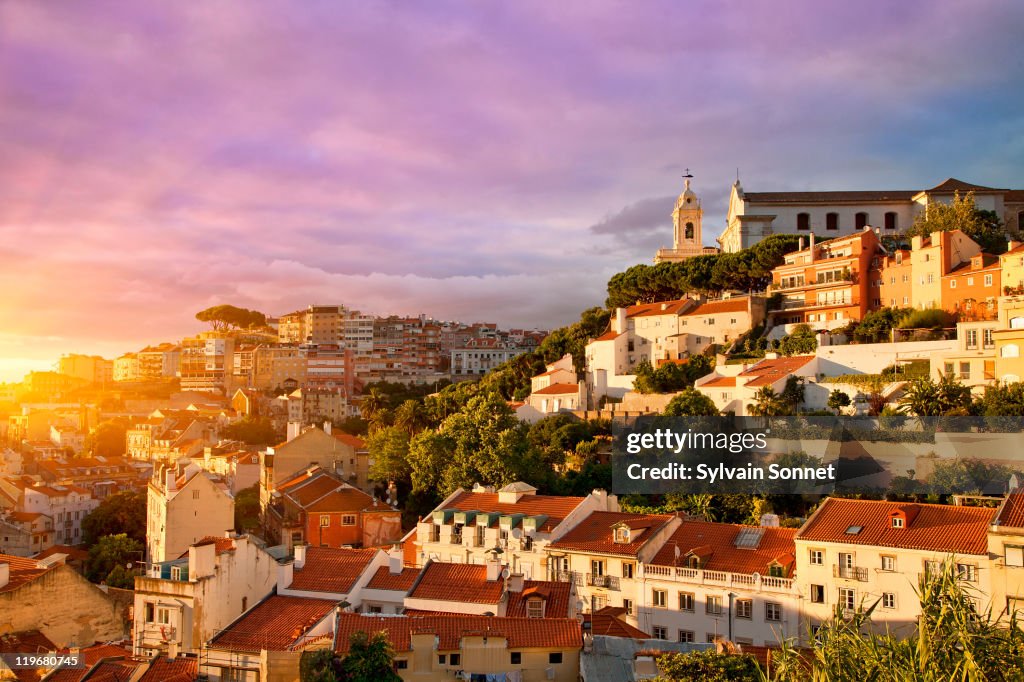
(112, 670)
(521, 633)
(90, 656)
(828, 197)
(352, 441)
(223, 544)
(594, 533)
(177, 669)
(457, 582)
(554, 507)
(675, 307)
(719, 382)
(384, 579)
(558, 389)
(728, 305)
(22, 571)
(1011, 512)
(331, 569)
(608, 336)
(769, 371)
(715, 543)
(556, 595)
(936, 527)
(275, 624)
(607, 622)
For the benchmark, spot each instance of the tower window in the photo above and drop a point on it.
(688, 233)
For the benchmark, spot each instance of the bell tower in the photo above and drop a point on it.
(686, 219)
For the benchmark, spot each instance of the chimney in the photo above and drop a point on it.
(5, 573)
(493, 570)
(916, 242)
(294, 429)
(171, 478)
(300, 556)
(395, 563)
(1012, 244)
(327, 427)
(202, 560)
(515, 582)
(811, 248)
(620, 320)
(800, 244)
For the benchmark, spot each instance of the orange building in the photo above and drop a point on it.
(828, 284)
(971, 290)
(896, 279)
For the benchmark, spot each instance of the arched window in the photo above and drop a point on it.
(831, 221)
(688, 233)
(861, 220)
(803, 221)
(1010, 350)
(890, 220)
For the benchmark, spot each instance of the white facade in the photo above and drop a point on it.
(67, 505)
(183, 510)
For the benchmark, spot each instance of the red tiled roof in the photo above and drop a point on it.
(346, 500)
(306, 491)
(658, 308)
(555, 507)
(767, 372)
(90, 656)
(331, 569)
(1014, 195)
(222, 543)
(828, 197)
(24, 642)
(608, 336)
(558, 389)
(23, 517)
(113, 671)
(180, 669)
(937, 527)
(1011, 512)
(715, 543)
(352, 441)
(22, 571)
(458, 582)
(384, 579)
(74, 553)
(719, 381)
(954, 185)
(274, 624)
(594, 533)
(728, 305)
(521, 633)
(607, 622)
(556, 597)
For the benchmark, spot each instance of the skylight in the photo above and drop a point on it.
(854, 530)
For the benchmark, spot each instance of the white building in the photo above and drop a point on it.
(686, 229)
(732, 388)
(183, 509)
(67, 505)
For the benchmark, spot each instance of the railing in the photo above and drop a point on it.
(850, 572)
(609, 581)
(725, 578)
(565, 577)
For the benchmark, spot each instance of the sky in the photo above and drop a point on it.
(493, 161)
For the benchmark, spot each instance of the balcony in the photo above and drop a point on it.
(565, 577)
(699, 576)
(850, 572)
(610, 582)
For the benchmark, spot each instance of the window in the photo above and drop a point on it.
(1014, 555)
(888, 600)
(516, 657)
(348, 520)
(621, 535)
(888, 563)
(952, 284)
(555, 658)
(375, 609)
(861, 220)
(968, 572)
(817, 594)
(988, 280)
(897, 522)
(987, 340)
(890, 220)
(454, 659)
(713, 605)
(658, 598)
(972, 339)
(772, 611)
(776, 571)
(163, 616)
(195, 494)
(401, 664)
(712, 637)
(627, 604)
(845, 559)
(175, 572)
(325, 520)
(831, 221)
(803, 221)
(596, 567)
(659, 632)
(686, 636)
(534, 608)
(442, 659)
(848, 598)
(686, 601)
(744, 608)
(931, 278)
(817, 557)
(627, 569)
(150, 613)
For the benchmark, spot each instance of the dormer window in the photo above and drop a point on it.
(776, 571)
(898, 522)
(692, 562)
(535, 608)
(621, 535)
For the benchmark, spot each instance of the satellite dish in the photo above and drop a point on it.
(505, 573)
(517, 533)
(579, 618)
(757, 576)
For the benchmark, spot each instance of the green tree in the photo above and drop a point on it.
(801, 341)
(123, 512)
(318, 665)
(767, 403)
(927, 398)
(109, 553)
(252, 431)
(389, 450)
(837, 400)
(962, 214)
(793, 393)
(107, 439)
(370, 658)
(412, 416)
(690, 403)
(223, 317)
(372, 402)
(707, 666)
(877, 325)
(247, 509)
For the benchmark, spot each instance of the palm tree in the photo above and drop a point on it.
(767, 403)
(412, 416)
(370, 404)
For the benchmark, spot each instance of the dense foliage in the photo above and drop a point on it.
(223, 317)
(247, 509)
(690, 403)
(671, 376)
(707, 666)
(107, 439)
(110, 558)
(252, 431)
(984, 227)
(746, 270)
(123, 512)
(801, 341)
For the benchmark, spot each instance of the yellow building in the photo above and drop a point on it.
(1009, 340)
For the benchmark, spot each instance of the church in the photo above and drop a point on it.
(686, 223)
